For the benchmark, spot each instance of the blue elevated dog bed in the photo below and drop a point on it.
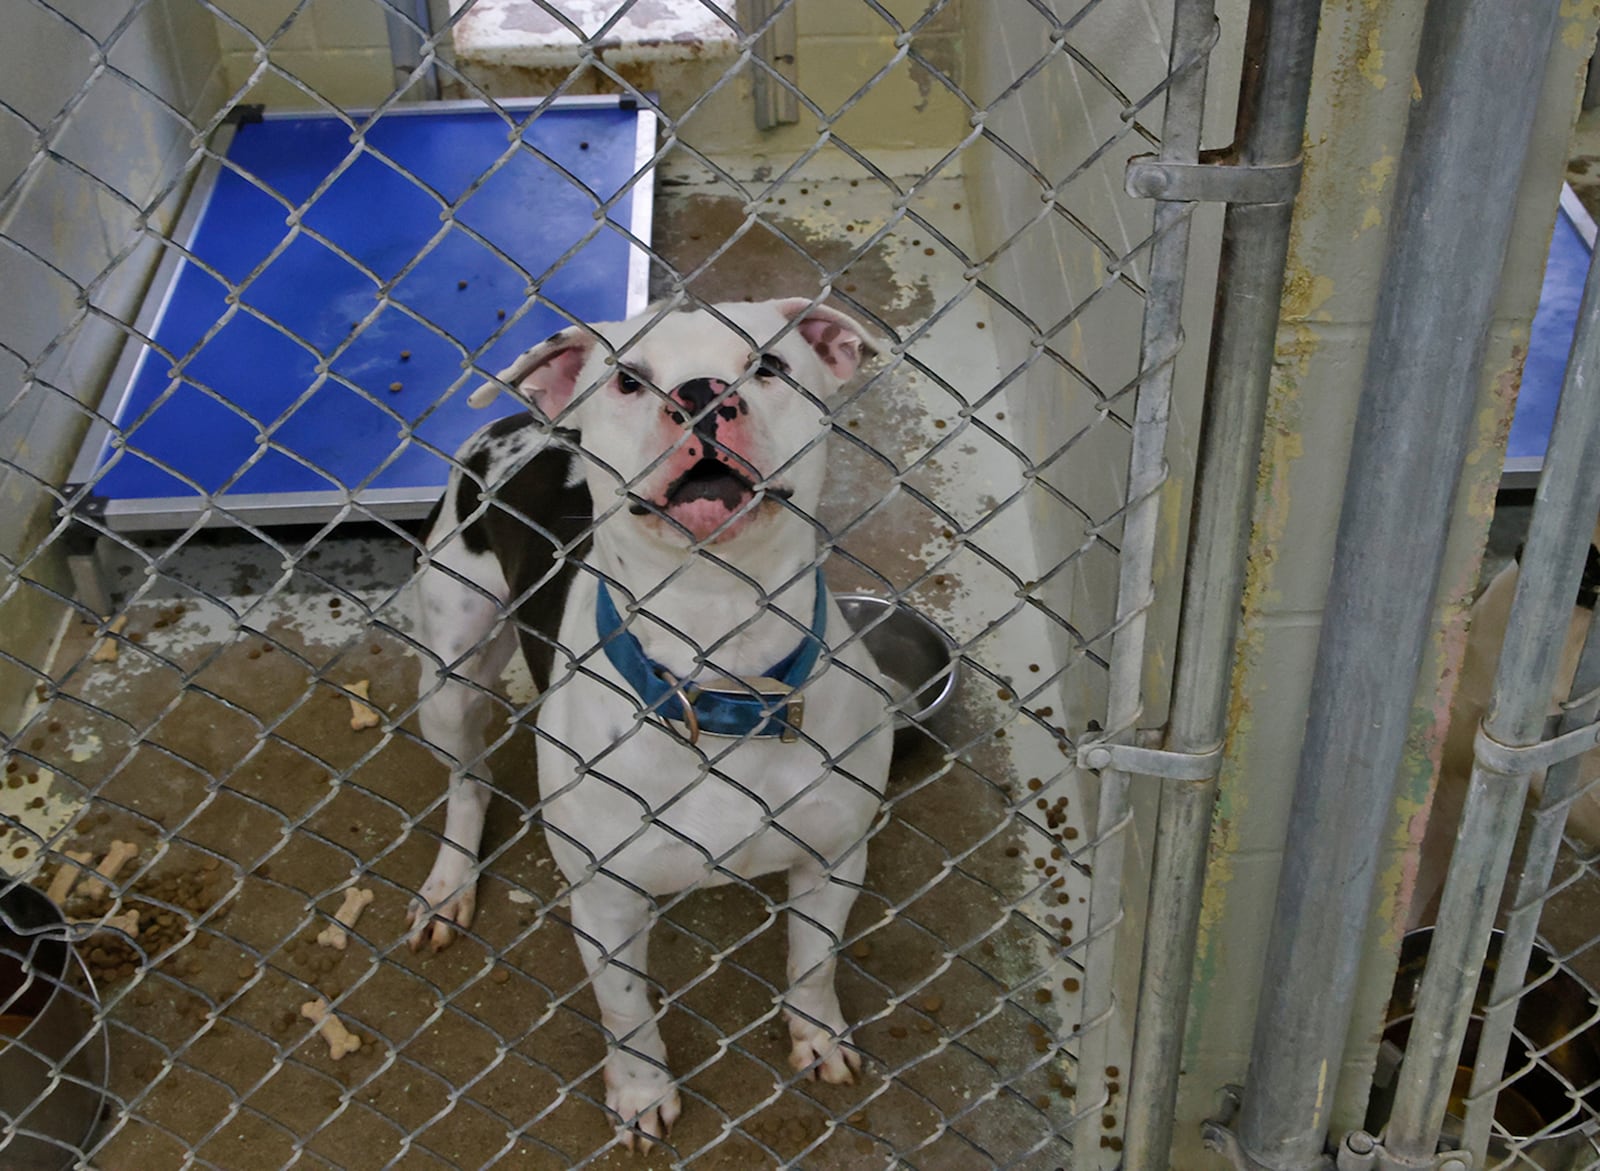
(395, 266)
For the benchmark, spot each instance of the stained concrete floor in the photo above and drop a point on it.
(219, 743)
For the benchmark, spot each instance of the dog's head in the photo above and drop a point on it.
(707, 422)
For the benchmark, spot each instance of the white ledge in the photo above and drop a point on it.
(528, 33)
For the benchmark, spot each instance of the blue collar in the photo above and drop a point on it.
(760, 706)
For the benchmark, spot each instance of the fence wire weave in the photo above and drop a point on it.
(201, 733)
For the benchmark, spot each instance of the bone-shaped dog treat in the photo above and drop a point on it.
(335, 935)
(340, 1039)
(362, 715)
(67, 876)
(127, 922)
(116, 858)
(106, 650)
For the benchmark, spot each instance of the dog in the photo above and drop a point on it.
(704, 713)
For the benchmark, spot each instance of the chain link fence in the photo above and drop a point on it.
(203, 763)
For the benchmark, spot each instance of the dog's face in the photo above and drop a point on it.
(708, 424)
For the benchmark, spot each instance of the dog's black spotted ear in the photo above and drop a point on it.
(841, 341)
(546, 375)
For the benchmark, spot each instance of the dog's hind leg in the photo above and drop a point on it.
(463, 624)
(819, 904)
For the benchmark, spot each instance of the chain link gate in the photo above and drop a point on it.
(202, 770)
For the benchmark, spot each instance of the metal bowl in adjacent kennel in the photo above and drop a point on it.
(917, 656)
(53, 1050)
(1552, 1107)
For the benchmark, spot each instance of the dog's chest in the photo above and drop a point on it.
(668, 815)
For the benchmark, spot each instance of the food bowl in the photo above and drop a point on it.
(54, 1053)
(916, 656)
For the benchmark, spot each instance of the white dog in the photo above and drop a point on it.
(705, 713)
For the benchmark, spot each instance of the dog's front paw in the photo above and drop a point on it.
(822, 1054)
(447, 901)
(647, 1105)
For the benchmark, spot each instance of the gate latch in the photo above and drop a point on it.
(1096, 755)
(1217, 178)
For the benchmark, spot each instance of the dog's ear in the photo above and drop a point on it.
(547, 374)
(841, 341)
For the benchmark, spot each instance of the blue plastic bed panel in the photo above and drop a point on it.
(345, 292)
(1549, 342)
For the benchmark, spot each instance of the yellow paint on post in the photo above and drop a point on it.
(1370, 63)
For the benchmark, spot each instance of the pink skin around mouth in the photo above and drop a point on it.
(716, 510)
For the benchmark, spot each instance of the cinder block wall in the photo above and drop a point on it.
(84, 158)
(339, 49)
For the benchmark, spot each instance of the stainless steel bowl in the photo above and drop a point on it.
(914, 653)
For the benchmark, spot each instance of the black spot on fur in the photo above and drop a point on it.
(468, 496)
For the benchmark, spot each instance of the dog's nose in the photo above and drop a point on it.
(691, 398)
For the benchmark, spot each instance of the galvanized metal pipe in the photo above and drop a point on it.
(1255, 246)
(1552, 567)
(1466, 143)
(1193, 25)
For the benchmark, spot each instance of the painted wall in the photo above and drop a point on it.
(339, 50)
(99, 103)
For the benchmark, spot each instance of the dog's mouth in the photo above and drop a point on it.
(710, 479)
(710, 499)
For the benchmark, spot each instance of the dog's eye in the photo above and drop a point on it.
(771, 366)
(628, 382)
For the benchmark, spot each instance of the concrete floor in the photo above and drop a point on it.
(219, 743)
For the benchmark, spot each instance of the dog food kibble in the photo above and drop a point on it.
(20, 852)
(500, 976)
(55, 726)
(405, 355)
(1043, 995)
(500, 313)
(396, 387)
(461, 284)
(245, 971)
(861, 950)
(897, 1031)
(933, 1003)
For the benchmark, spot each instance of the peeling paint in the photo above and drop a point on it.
(1371, 62)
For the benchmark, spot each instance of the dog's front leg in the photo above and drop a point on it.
(819, 903)
(612, 923)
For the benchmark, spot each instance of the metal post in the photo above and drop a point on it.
(1478, 70)
(410, 23)
(1552, 566)
(1193, 27)
(1255, 245)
